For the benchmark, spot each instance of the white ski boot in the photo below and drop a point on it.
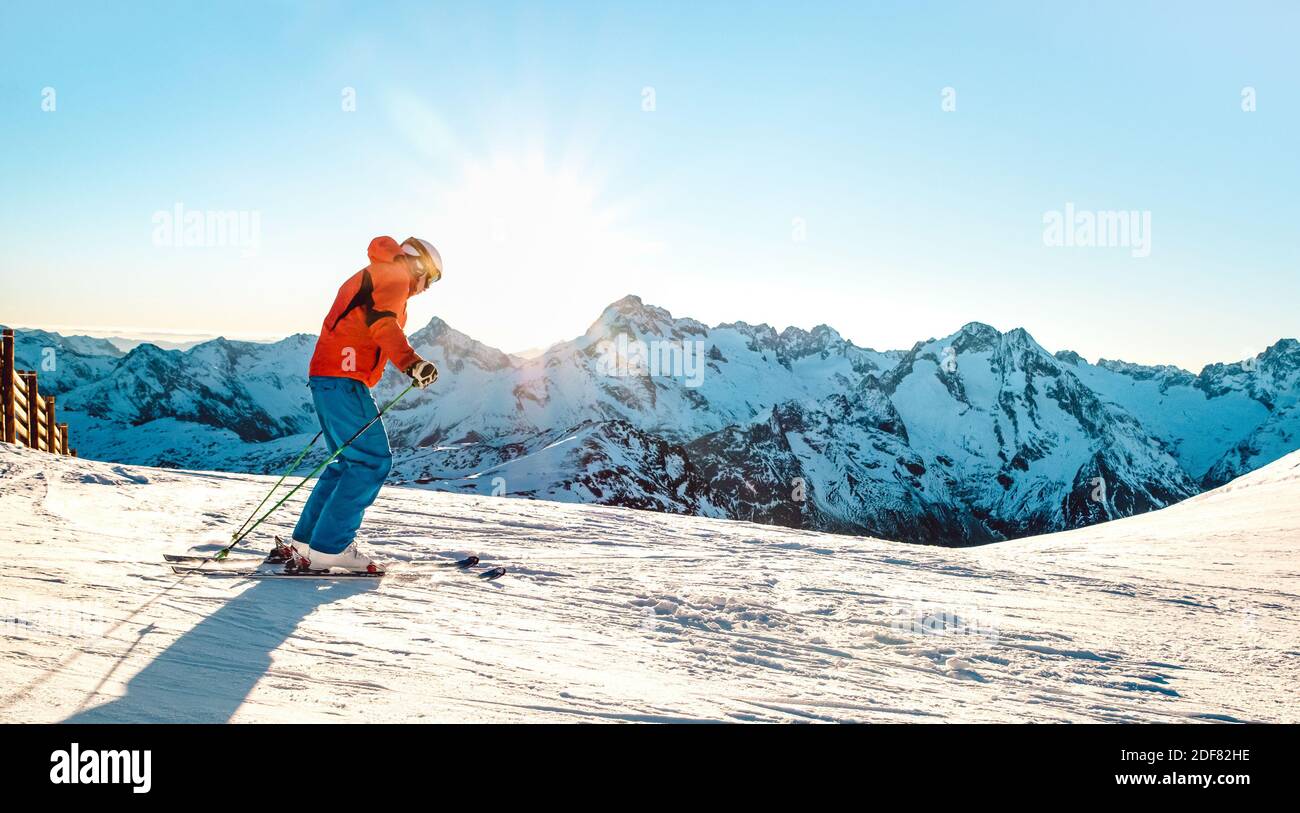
(287, 551)
(298, 548)
(350, 558)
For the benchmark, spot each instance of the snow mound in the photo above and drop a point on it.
(612, 614)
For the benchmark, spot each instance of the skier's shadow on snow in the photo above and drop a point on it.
(207, 673)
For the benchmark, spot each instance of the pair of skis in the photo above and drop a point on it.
(249, 567)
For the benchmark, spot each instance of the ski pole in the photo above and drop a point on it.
(226, 550)
(292, 467)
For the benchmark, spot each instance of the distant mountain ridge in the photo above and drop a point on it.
(974, 437)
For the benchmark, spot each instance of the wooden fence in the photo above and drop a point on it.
(26, 416)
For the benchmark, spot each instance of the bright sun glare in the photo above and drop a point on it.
(517, 218)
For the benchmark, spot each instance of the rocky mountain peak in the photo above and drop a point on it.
(797, 343)
(1070, 357)
(1282, 356)
(457, 347)
(638, 320)
(761, 337)
(80, 345)
(975, 337)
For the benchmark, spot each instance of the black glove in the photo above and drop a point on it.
(422, 373)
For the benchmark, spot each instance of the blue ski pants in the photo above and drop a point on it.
(348, 486)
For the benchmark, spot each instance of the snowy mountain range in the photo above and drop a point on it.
(974, 437)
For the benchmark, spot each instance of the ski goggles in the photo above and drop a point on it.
(426, 258)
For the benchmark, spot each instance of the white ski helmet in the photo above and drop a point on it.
(430, 259)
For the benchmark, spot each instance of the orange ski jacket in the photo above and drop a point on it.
(364, 328)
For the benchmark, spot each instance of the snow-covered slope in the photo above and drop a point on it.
(611, 614)
(976, 436)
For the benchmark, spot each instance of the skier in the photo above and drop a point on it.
(361, 333)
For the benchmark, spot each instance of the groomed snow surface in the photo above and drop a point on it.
(1186, 614)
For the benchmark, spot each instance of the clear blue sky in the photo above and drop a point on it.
(513, 136)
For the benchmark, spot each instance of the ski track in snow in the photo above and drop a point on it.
(615, 615)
